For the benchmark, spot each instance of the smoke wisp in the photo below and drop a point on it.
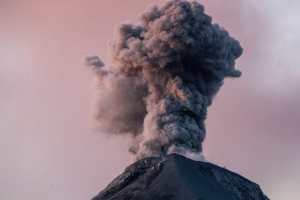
(166, 71)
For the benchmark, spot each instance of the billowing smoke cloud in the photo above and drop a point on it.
(166, 71)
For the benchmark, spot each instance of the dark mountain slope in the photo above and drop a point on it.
(178, 178)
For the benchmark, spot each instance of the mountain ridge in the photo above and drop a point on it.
(175, 177)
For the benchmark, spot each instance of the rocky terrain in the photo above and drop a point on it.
(178, 178)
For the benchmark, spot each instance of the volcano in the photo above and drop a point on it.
(175, 177)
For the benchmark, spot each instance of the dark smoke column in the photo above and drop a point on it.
(167, 70)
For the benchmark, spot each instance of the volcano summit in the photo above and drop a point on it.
(166, 71)
(175, 177)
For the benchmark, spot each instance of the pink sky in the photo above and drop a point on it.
(48, 147)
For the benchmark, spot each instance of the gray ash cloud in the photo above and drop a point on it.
(167, 70)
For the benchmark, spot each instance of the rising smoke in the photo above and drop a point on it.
(166, 71)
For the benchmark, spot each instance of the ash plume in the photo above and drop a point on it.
(167, 70)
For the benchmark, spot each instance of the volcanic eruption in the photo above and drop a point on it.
(166, 70)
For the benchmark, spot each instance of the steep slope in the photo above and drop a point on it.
(178, 178)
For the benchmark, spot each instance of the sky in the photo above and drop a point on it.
(49, 148)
